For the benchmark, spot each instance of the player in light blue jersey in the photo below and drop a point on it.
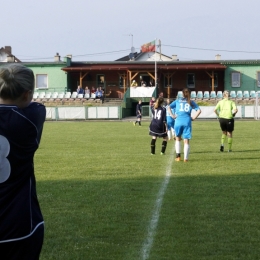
(170, 121)
(183, 118)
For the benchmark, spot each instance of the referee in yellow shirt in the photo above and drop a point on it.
(226, 110)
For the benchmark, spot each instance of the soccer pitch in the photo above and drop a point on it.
(103, 195)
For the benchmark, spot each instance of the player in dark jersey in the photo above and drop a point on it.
(158, 125)
(21, 124)
(138, 111)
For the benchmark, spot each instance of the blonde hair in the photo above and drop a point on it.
(226, 94)
(15, 79)
(158, 102)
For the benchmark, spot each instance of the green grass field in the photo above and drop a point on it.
(103, 195)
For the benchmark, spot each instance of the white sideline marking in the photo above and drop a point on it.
(156, 212)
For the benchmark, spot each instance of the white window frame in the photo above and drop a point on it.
(235, 79)
(41, 81)
(258, 79)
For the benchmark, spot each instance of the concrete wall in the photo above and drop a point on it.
(82, 113)
(114, 112)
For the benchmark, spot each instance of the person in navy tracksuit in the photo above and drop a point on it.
(21, 125)
(138, 111)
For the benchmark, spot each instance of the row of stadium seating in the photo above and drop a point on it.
(42, 96)
(199, 95)
(213, 95)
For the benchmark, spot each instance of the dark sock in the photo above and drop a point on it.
(139, 122)
(178, 155)
(164, 145)
(153, 146)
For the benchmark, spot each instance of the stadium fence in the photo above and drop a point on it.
(256, 106)
(115, 112)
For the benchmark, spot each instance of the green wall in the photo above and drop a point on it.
(248, 75)
(57, 78)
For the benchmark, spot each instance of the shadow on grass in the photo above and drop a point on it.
(225, 152)
(202, 217)
(210, 217)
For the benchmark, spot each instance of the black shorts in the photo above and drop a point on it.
(138, 116)
(28, 248)
(226, 125)
(163, 135)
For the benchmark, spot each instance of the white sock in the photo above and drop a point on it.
(169, 134)
(178, 146)
(186, 151)
(173, 132)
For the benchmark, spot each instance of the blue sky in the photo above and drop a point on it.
(101, 30)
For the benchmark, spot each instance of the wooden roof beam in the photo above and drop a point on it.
(81, 77)
(212, 79)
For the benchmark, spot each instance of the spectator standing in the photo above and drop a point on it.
(143, 83)
(138, 113)
(161, 94)
(226, 110)
(134, 83)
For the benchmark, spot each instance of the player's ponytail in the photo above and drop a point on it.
(158, 102)
(186, 94)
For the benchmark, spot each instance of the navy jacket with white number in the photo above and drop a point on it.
(20, 134)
